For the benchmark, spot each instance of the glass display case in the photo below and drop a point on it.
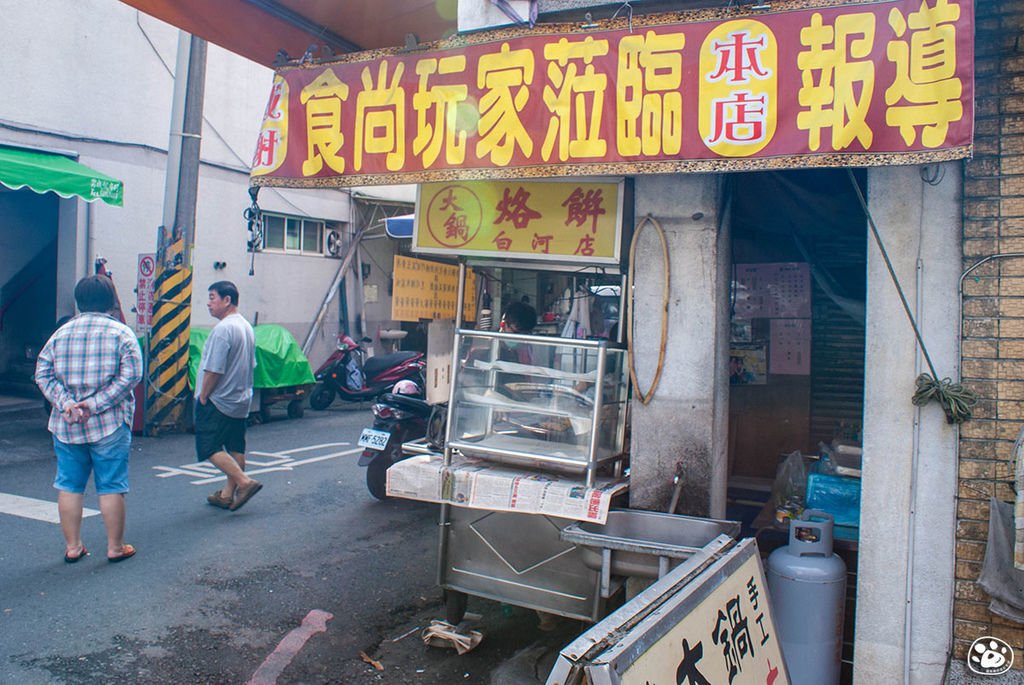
(550, 403)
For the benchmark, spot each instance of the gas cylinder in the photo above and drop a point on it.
(807, 586)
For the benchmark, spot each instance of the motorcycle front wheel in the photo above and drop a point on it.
(377, 478)
(321, 397)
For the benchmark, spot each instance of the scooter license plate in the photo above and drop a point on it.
(374, 439)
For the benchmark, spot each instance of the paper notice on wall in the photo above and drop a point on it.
(790, 347)
(478, 484)
(775, 290)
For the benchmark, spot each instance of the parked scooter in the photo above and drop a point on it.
(398, 417)
(348, 375)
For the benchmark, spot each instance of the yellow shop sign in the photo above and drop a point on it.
(577, 221)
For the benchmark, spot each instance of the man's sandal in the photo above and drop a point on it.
(243, 495)
(218, 500)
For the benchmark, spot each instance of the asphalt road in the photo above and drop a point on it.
(214, 596)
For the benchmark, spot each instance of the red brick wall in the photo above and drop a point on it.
(993, 326)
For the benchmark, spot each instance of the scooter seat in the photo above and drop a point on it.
(377, 365)
(413, 404)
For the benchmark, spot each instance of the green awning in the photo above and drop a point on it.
(43, 173)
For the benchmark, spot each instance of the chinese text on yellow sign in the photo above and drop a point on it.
(569, 222)
(729, 637)
(429, 290)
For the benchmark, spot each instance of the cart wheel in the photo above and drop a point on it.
(377, 478)
(295, 409)
(455, 606)
(321, 397)
(264, 412)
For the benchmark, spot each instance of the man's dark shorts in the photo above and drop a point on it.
(216, 432)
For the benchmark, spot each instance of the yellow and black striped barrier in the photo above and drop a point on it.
(167, 386)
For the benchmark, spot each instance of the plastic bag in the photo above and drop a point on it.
(790, 487)
(353, 375)
(826, 462)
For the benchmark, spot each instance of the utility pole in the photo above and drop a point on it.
(167, 363)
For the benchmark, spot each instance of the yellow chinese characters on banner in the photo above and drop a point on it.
(429, 290)
(728, 638)
(535, 220)
(824, 85)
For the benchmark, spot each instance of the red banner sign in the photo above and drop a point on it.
(826, 86)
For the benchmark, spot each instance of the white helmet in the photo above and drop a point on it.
(406, 387)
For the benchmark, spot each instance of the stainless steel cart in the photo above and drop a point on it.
(547, 404)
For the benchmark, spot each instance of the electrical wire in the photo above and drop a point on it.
(645, 397)
(245, 168)
(956, 400)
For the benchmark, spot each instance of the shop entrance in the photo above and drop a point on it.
(28, 287)
(797, 312)
(799, 242)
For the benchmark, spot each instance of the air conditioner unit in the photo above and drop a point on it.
(332, 244)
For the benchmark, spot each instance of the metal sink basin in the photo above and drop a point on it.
(644, 543)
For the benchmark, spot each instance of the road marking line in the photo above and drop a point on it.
(325, 457)
(36, 509)
(207, 473)
(272, 667)
(186, 470)
(303, 449)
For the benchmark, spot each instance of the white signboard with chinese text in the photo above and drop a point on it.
(710, 626)
(144, 287)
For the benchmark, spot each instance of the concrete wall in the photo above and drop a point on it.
(686, 419)
(71, 250)
(909, 483)
(379, 254)
(475, 16)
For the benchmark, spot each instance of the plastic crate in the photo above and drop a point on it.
(837, 495)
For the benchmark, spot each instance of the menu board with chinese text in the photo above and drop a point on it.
(429, 290)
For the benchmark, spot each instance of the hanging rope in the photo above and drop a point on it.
(646, 397)
(956, 400)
